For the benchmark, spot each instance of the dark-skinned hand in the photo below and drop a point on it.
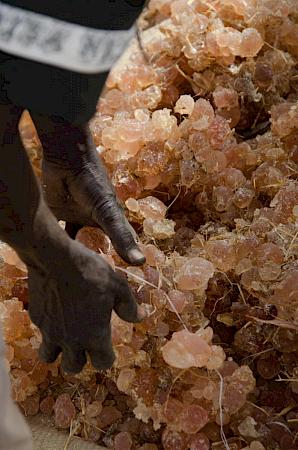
(72, 308)
(72, 304)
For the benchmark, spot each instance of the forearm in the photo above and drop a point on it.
(26, 223)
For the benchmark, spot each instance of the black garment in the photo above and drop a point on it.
(51, 90)
(101, 14)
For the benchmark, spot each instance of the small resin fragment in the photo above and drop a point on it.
(93, 409)
(194, 274)
(65, 411)
(159, 229)
(123, 441)
(47, 405)
(154, 257)
(186, 349)
(152, 208)
(185, 105)
(199, 442)
(193, 418)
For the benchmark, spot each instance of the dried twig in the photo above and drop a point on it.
(276, 322)
(155, 287)
(221, 389)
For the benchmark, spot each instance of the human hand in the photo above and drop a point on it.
(72, 303)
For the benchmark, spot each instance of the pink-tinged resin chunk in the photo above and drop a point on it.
(194, 274)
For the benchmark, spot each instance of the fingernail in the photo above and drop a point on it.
(136, 256)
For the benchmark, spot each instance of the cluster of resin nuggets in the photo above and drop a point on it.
(200, 137)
